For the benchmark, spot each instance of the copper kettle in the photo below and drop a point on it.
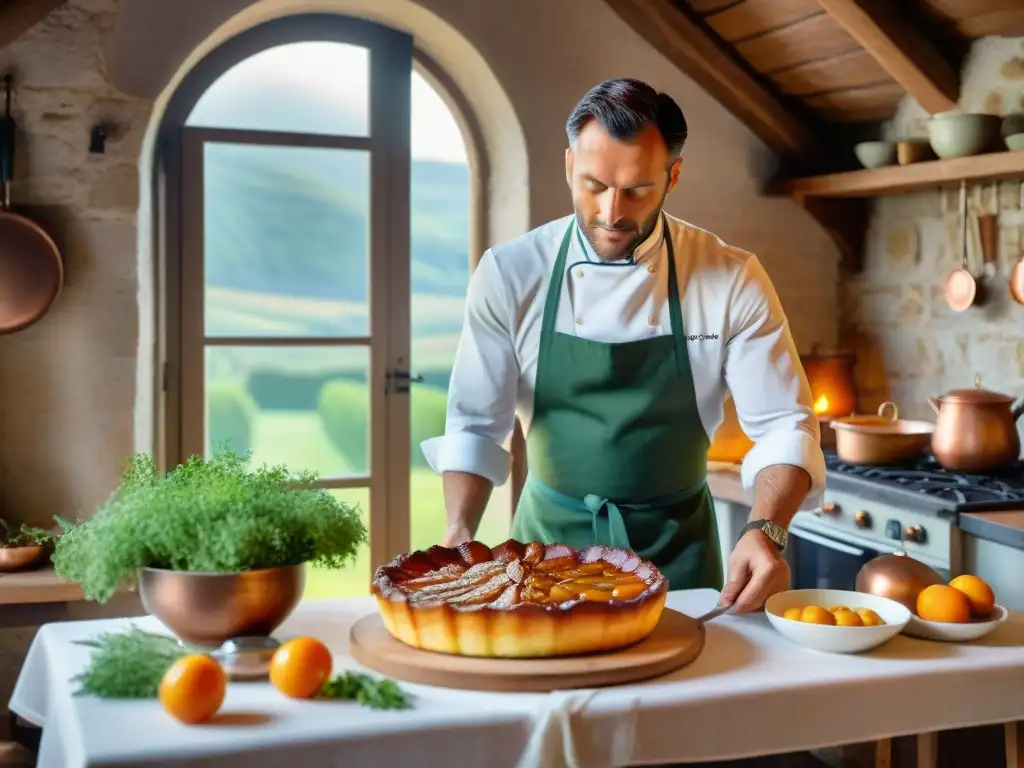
(976, 430)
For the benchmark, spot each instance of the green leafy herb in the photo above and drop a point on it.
(208, 515)
(128, 665)
(25, 536)
(376, 694)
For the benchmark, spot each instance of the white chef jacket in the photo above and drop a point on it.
(737, 337)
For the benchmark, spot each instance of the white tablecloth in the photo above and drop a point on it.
(751, 692)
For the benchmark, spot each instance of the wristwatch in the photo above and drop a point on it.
(775, 532)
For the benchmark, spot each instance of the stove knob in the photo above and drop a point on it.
(916, 534)
(894, 530)
(862, 519)
(831, 509)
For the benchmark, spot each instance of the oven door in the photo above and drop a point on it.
(820, 561)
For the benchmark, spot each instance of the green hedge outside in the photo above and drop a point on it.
(344, 408)
(230, 410)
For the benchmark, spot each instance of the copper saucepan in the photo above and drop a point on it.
(881, 439)
(31, 269)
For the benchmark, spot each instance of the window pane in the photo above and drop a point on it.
(305, 407)
(440, 275)
(311, 87)
(286, 232)
(353, 581)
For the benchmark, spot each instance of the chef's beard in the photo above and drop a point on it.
(625, 251)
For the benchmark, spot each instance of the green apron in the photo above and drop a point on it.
(617, 452)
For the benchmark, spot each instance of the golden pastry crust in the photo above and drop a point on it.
(520, 600)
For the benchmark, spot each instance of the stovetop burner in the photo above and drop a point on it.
(927, 484)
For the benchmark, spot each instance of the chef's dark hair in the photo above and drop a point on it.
(623, 107)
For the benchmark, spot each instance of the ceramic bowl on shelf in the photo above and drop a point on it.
(875, 154)
(833, 639)
(961, 134)
(955, 633)
(1014, 142)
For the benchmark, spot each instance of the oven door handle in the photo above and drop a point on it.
(824, 542)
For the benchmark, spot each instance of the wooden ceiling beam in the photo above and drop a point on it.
(699, 54)
(901, 49)
(19, 16)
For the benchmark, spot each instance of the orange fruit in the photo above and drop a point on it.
(193, 689)
(847, 618)
(793, 614)
(979, 594)
(837, 608)
(300, 667)
(940, 602)
(870, 618)
(815, 614)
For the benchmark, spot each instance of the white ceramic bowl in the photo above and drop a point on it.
(955, 633)
(822, 637)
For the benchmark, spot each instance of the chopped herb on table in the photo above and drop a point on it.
(375, 694)
(131, 664)
(128, 665)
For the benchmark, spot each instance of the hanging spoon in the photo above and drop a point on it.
(1017, 274)
(961, 287)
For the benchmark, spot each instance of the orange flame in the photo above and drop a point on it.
(821, 405)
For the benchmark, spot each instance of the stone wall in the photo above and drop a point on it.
(910, 344)
(68, 382)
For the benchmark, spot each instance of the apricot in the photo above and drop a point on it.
(943, 603)
(979, 594)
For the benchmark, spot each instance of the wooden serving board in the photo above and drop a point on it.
(676, 641)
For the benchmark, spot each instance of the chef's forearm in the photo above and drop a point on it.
(779, 490)
(465, 499)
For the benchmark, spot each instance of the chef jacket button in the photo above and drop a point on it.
(579, 321)
(579, 273)
(652, 320)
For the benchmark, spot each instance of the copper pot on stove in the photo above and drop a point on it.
(976, 429)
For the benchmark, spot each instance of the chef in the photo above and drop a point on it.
(615, 334)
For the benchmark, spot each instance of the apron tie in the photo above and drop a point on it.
(617, 536)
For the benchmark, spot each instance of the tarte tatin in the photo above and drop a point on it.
(520, 600)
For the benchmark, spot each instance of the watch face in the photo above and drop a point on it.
(776, 533)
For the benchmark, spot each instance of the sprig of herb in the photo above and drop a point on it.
(376, 694)
(207, 515)
(128, 665)
(25, 536)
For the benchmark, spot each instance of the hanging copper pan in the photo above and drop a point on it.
(31, 269)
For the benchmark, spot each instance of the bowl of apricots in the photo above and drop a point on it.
(836, 620)
(961, 611)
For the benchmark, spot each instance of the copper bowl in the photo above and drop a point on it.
(14, 559)
(207, 609)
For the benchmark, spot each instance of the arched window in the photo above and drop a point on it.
(327, 218)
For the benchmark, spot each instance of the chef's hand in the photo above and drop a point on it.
(757, 570)
(457, 534)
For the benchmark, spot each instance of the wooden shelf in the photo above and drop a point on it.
(900, 179)
(39, 586)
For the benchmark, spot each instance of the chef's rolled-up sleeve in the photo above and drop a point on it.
(482, 392)
(768, 385)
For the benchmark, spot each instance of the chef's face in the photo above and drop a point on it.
(618, 187)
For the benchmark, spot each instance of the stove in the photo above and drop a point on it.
(873, 510)
(927, 486)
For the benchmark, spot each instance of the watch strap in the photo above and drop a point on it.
(776, 534)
